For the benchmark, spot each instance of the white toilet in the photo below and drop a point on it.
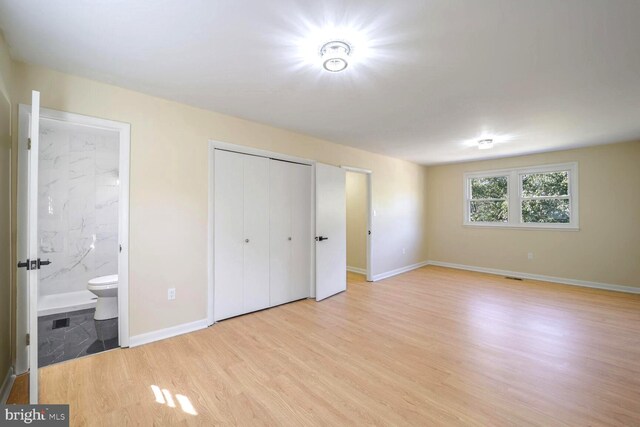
(106, 289)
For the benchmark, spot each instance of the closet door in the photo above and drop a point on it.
(256, 233)
(280, 227)
(301, 231)
(229, 234)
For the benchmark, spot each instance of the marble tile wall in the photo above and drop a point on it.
(77, 206)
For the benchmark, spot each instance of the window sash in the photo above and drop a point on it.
(515, 198)
(521, 176)
(469, 199)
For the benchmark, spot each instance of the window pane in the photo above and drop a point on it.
(546, 211)
(545, 184)
(494, 187)
(489, 211)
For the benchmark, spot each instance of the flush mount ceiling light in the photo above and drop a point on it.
(335, 55)
(485, 144)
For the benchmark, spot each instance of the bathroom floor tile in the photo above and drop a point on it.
(83, 336)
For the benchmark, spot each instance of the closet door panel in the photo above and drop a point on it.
(256, 233)
(280, 231)
(302, 232)
(229, 243)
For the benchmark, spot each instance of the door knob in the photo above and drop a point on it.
(289, 239)
(246, 240)
(47, 262)
(321, 238)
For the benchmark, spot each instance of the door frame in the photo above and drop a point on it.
(124, 132)
(370, 214)
(214, 145)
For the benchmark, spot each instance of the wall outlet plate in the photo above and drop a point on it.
(171, 294)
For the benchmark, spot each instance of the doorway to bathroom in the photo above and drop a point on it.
(72, 240)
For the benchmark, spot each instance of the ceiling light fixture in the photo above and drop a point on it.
(335, 55)
(485, 144)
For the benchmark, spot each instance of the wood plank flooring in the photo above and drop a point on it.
(19, 394)
(434, 346)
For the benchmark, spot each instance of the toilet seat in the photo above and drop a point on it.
(104, 281)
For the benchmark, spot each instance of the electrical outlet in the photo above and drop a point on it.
(171, 294)
(530, 255)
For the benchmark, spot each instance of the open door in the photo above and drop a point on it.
(27, 245)
(331, 231)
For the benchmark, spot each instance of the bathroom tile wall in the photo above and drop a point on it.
(77, 205)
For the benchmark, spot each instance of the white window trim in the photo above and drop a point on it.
(514, 184)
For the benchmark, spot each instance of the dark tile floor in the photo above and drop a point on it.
(82, 337)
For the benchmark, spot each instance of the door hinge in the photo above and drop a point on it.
(28, 339)
(28, 143)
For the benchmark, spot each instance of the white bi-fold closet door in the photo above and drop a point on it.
(263, 235)
(290, 231)
(241, 234)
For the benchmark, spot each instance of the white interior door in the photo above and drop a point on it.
(229, 234)
(301, 231)
(280, 231)
(256, 233)
(331, 231)
(27, 245)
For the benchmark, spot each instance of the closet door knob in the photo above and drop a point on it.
(246, 240)
(289, 239)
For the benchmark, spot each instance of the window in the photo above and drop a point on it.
(489, 200)
(535, 197)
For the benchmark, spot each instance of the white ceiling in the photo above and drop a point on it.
(428, 77)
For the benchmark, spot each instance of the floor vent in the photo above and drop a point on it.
(513, 278)
(61, 323)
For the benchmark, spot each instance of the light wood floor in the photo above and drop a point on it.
(431, 347)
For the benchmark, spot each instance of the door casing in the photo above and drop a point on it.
(124, 131)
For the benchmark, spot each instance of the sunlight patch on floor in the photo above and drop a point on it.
(164, 397)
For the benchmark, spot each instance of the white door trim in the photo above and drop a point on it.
(32, 215)
(124, 131)
(219, 145)
(369, 175)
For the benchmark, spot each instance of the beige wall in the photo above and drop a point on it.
(5, 211)
(605, 250)
(356, 189)
(168, 234)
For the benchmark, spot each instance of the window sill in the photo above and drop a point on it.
(524, 227)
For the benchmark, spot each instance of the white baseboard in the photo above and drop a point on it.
(357, 270)
(400, 270)
(7, 383)
(167, 333)
(561, 280)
